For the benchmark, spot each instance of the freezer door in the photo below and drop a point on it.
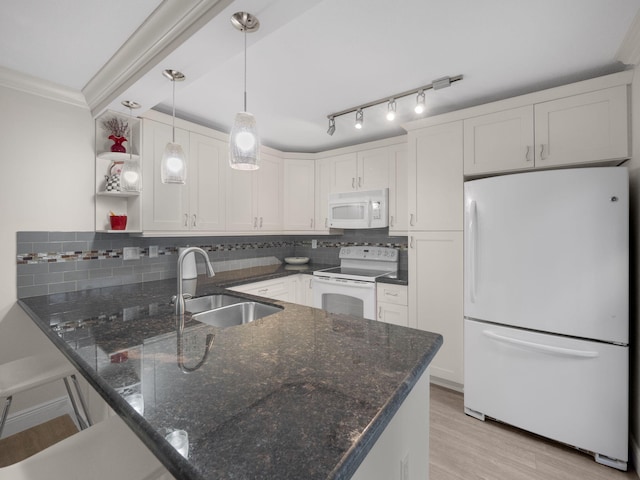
(549, 251)
(573, 391)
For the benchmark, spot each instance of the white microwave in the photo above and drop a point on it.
(365, 209)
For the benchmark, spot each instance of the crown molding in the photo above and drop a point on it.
(36, 86)
(629, 51)
(163, 31)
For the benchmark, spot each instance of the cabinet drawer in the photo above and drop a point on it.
(278, 289)
(390, 293)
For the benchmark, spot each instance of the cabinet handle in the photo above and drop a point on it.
(411, 245)
(260, 222)
(380, 312)
(255, 222)
(391, 220)
(353, 182)
(391, 294)
(186, 219)
(527, 156)
(359, 182)
(411, 220)
(542, 155)
(263, 290)
(195, 223)
(311, 223)
(326, 222)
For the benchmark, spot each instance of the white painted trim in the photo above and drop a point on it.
(162, 32)
(629, 50)
(42, 88)
(30, 417)
(441, 382)
(634, 455)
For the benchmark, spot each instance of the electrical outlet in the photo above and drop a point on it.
(314, 243)
(131, 253)
(153, 251)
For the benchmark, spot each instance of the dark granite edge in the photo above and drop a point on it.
(359, 450)
(176, 464)
(400, 278)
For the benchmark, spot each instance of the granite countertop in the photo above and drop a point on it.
(298, 394)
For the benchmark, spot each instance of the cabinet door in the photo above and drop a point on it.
(435, 178)
(208, 164)
(394, 314)
(323, 187)
(344, 172)
(499, 142)
(398, 178)
(583, 128)
(269, 193)
(373, 169)
(240, 201)
(164, 206)
(299, 194)
(435, 296)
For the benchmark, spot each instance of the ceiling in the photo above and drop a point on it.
(311, 58)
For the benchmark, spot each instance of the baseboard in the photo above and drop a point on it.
(634, 455)
(441, 382)
(30, 417)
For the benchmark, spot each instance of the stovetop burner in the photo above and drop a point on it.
(363, 263)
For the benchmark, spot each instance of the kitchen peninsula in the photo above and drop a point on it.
(301, 393)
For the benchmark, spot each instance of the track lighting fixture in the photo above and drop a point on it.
(391, 110)
(173, 168)
(244, 145)
(359, 119)
(391, 103)
(420, 102)
(332, 126)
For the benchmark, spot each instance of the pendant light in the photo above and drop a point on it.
(244, 144)
(130, 173)
(173, 168)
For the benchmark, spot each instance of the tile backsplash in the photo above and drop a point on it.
(56, 262)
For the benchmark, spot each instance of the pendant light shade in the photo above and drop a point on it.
(173, 168)
(244, 143)
(244, 148)
(130, 176)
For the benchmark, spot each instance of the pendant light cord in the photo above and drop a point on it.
(173, 116)
(246, 21)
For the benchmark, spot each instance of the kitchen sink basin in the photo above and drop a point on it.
(210, 302)
(236, 314)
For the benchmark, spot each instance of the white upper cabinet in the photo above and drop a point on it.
(435, 178)
(299, 194)
(363, 170)
(254, 198)
(344, 172)
(323, 187)
(199, 203)
(398, 180)
(578, 129)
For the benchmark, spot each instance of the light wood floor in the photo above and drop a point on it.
(463, 448)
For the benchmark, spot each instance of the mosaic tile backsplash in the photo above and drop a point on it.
(56, 262)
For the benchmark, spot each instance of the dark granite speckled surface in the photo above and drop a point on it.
(298, 394)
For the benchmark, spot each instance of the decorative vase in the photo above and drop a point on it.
(117, 144)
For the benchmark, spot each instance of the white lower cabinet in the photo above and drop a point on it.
(305, 289)
(436, 296)
(392, 304)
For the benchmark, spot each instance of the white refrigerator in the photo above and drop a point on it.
(546, 305)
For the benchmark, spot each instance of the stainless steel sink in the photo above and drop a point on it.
(210, 302)
(236, 314)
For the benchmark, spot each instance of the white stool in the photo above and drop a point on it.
(108, 450)
(30, 372)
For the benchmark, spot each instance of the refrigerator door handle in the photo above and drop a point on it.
(473, 233)
(567, 352)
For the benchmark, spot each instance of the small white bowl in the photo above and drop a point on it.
(296, 260)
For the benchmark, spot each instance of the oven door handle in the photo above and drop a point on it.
(343, 283)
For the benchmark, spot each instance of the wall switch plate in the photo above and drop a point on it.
(314, 243)
(153, 251)
(131, 253)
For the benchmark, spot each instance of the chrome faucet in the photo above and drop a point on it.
(210, 273)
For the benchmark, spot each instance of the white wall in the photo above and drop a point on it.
(46, 153)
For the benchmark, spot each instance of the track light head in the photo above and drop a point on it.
(420, 102)
(332, 126)
(391, 110)
(359, 118)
